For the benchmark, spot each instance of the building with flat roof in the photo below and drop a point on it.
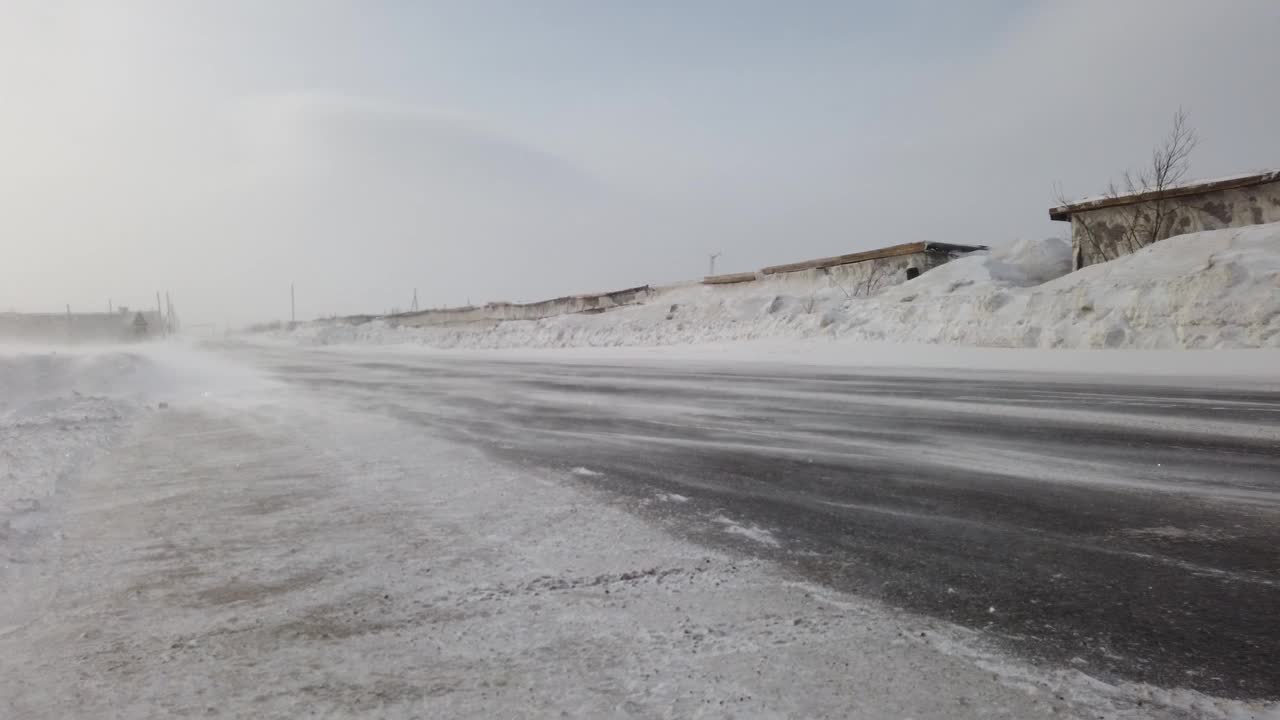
(860, 273)
(121, 325)
(1105, 228)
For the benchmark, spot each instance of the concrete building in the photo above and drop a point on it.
(859, 274)
(1108, 227)
(498, 311)
(864, 273)
(123, 325)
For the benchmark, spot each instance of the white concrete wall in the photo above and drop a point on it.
(1100, 235)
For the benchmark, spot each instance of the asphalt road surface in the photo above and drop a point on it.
(1131, 531)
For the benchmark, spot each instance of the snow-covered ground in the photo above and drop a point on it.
(60, 410)
(1217, 289)
(251, 550)
(57, 413)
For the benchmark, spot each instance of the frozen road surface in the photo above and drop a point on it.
(378, 534)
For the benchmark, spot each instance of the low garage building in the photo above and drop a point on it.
(860, 273)
(1108, 227)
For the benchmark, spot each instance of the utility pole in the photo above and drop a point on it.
(168, 304)
(293, 306)
(711, 269)
(414, 306)
(109, 308)
(160, 312)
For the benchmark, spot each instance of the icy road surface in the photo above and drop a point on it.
(376, 534)
(1132, 532)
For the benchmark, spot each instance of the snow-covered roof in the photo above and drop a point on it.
(1194, 187)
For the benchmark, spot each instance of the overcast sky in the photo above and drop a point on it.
(522, 150)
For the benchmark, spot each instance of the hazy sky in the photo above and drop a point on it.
(521, 150)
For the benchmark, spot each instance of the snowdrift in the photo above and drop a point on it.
(57, 413)
(1216, 289)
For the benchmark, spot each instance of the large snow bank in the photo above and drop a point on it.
(1216, 289)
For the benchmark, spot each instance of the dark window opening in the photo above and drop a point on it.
(913, 273)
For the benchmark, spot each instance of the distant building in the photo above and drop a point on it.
(860, 273)
(119, 326)
(1104, 228)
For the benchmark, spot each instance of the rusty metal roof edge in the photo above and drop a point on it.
(1064, 212)
(877, 254)
(953, 247)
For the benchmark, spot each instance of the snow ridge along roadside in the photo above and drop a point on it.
(1215, 289)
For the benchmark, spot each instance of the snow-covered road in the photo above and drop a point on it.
(1132, 531)
(364, 533)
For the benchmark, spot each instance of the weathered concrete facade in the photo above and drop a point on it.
(871, 276)
(1107, 228)
(866, 277)
(864, 273)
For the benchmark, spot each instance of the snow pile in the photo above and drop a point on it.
(1021, 264)
(57, 413)
(1215, 289)
(56, 409)
(1036, 261)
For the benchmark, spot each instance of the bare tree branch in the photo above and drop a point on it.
(1143, 223)
(832, 282)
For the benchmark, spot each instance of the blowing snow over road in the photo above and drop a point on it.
(397, 534)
